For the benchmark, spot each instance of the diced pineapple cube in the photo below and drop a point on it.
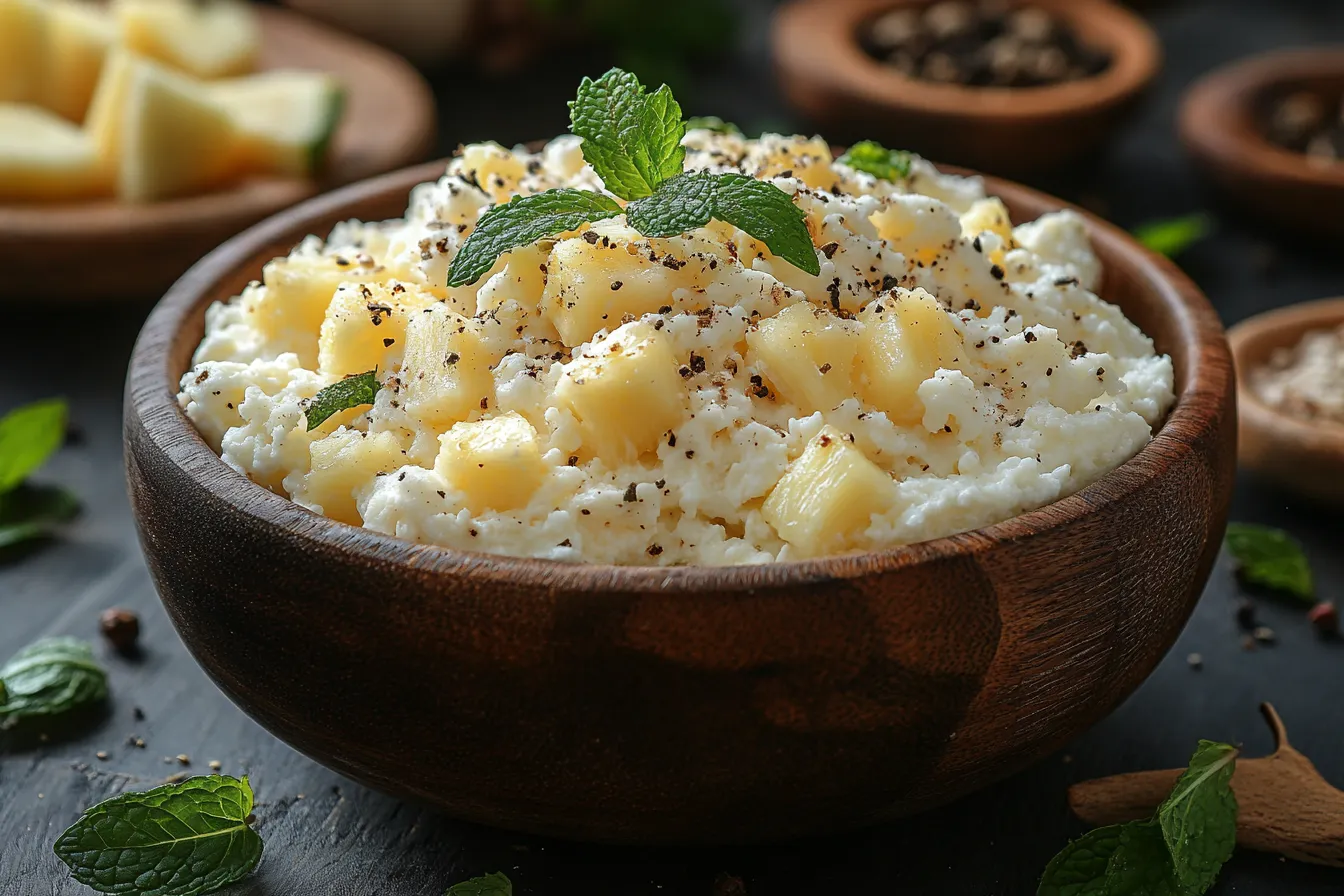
(299, 289)
(79, 37)
(905, 341)
(495, 168)
(625, 390)
(446, 373)
(213, 39)
(365, 327)
(496, 463)
(988, 215)
(828, 496)
(592, 285)
(808, 354)
(23, 45)
(341, 463)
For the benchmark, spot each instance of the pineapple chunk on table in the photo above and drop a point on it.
(23, 45)
(80, 36)
(625, 391)
(496, 463)
(446, 373)
(365, 327)
(44, 157)
(341, 463)
(906, 339)
(827, 497)
(211, 39)
(808, 354)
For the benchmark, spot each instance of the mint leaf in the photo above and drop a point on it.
(31, 512)
(712, 123)
(178, 840)
(352, 392)
(1199, 819)
(523, 221)
(1174, 235)
(1080, 868)
(1140, 865)
(48, 678)
(875, 159)
(763, 210)
(1271, 558)
(490, 885)
(28, 436)
(632, 139)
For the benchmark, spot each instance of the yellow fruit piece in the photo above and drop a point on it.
(44, 157)
(365, 327)
(23, 43)
(496, 463)
(827, 497)
(212, 39)
(343, 462)
(79, 38)
(446, 374)
(808, 354)
(106, 117)
(626, 392)
(299, 289)
(286, 119)
(905, 341)
(495, 168)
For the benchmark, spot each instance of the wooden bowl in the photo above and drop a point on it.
(110, 249)
(693, 704)
(830, 78)
(1221, 125)
(1304, 457)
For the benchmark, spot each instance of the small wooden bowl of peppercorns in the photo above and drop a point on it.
(1268, 132)
(1007, 86)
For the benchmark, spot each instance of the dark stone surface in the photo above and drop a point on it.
(328, 837)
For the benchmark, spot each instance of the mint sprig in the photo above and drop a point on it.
(354, 391)
(1173, 236)
(523, 221)
(495, 884)
(1270, 558)
(28, 436)
(32, 511)
(182, 839)
(1177, 852)
(631, 138)
(49, 678)
(875, 159)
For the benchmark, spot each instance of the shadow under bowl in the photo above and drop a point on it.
(680, 705)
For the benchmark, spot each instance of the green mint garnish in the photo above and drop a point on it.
(631, 138)
(759, 208)
(354, 391)
(28, 436)
(877, 160)
(1270, 558)
(33, 512)
(712, 123)
(1173, 236)
(182, 839)
(1177, 852)
(490, 885)
(523, 221)
(49, 678)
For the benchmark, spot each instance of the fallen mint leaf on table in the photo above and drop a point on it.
(183, 839)
(875, 159)
(1271, 558)
(28, 436)
(1173, 236)
(630, 137)
(34, 512)
(48, 678)
(712, 123)
(489, 885)
(354, 391)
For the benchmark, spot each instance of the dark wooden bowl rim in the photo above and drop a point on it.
(152, 387)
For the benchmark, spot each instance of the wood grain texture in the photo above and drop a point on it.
(829, 78)
(1303, 456)
(688, 704)
(111, 249)
(1221, 127)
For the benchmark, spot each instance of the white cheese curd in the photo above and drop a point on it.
(604, 397)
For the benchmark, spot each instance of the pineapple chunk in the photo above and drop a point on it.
(23, 44)
(365, 327)
(299, 289)
(626, 392)
(287, 119)
(497, 170)
(213, 39)
(447, 369)
(496, 463)
(988, 215)
(905, 341)
(341, 463)
(79, 38)
(43, 157)
(828, 496)
(808, 354)
(591, 286)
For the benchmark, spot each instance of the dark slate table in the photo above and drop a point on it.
(327, 836)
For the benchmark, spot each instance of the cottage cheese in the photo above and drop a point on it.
(1306, 380)
(607, 398)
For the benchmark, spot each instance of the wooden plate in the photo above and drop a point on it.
(112, 249)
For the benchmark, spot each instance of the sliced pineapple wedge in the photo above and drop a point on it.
(213, 39)
(286, 118)
(45, 158)
(79, 38)
(23, 45)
